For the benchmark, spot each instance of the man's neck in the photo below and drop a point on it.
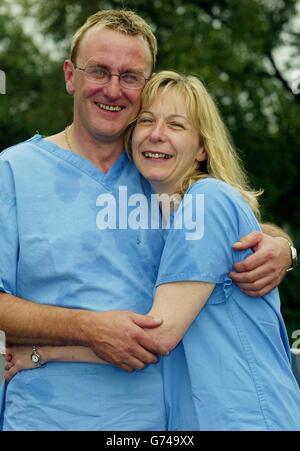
(102, 154)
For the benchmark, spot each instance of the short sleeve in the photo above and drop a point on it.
(9, 246)
(210, 218)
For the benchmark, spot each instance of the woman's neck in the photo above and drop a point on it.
(168, 199)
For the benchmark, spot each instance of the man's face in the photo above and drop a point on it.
(118, 53)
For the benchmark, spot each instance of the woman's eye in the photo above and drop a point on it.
(177, 125)
(144, 120)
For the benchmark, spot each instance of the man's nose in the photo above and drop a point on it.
(113, 88)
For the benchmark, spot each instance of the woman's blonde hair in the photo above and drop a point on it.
(223, 162)
(121, 20)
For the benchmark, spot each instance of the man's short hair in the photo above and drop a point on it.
(123, 21)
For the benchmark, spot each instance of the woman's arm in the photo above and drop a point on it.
(178, 304)
(19, 357)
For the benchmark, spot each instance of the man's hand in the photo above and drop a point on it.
(118, 338)
(264, 270)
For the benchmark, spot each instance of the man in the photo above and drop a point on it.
(64, 281)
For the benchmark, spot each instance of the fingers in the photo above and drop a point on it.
(251, 276)
(8, 357)
(145, 357)
(130, 359)
(132, 364)
(259, 288)
(137, 360)
(252, 262)
(9, 374)
(147, 341)
(257, 282)
(125, 339)
(152, 345)
(263, 270)
(146, 321)
(248, 241)
(6, 376)
(137, 357)
(8, 366)
(125, 367)
(10, 370)
(260, 293)
(8, 353)
(143, 346)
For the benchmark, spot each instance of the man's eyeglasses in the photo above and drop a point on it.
(100, 75)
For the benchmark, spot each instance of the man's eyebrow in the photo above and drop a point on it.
(96, 63)
(105, 66)
(134, 71)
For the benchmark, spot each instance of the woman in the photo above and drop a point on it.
(236, 348)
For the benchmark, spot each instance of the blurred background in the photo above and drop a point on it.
(246, 52)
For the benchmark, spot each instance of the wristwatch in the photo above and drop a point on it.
(36, 357)
(294, 258)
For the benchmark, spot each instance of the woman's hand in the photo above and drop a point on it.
(17, 358)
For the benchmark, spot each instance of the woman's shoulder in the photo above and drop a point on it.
(215, 188)
(222, 200)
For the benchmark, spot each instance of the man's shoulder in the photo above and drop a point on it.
(19, 149)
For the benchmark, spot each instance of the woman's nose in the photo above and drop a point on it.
(157, 133)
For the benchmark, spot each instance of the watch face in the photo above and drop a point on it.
(35, 358)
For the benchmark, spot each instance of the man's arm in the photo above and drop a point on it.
(275, 231)
(115, 336)
(259, 273)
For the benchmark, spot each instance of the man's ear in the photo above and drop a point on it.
(69, 76)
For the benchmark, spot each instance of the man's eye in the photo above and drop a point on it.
(130, 77)
(97, 71)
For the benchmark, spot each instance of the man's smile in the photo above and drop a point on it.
(106, 107)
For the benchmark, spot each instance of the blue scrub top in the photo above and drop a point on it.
(237, 349)
(52, 252)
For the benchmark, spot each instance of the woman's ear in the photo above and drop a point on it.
(69, 76)
(201, 154)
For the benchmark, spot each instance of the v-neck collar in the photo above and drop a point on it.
(82, 163)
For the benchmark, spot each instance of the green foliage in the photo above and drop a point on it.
(229, 44)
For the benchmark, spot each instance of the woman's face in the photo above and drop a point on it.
(165, 144)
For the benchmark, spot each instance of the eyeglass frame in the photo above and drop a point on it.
(110, 74)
